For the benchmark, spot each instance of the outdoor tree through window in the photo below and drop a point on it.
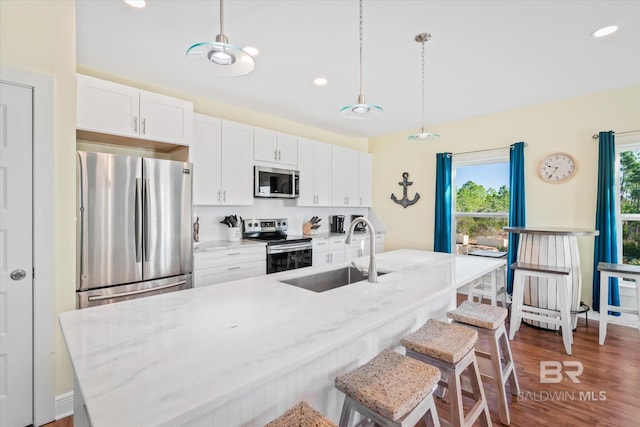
(481, 205)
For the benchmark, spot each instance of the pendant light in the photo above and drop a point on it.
(423, 134)
(360, 110)
(220, 57)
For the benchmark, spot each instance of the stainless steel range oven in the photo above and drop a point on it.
(284, 252)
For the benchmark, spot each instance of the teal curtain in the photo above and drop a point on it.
(516, 205)
(442, 230)
(606, 244)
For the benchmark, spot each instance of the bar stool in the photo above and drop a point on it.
(449, 347)
(488, 321)
(390, 390)
(621, 271)
(561, 317)
(301, 415)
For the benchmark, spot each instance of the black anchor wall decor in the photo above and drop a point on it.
(405, 201)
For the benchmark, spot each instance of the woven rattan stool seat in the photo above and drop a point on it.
(391, 384)
(301, 415)
(480, 315)
(441, 340)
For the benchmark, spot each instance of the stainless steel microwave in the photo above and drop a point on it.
(276, 183)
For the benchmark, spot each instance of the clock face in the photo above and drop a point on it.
(557, 167)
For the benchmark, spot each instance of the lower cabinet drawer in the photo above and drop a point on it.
(228, 257)
(211, 276)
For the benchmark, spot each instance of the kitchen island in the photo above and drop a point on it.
(243, 352)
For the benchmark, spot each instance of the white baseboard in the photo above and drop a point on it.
(64, 405)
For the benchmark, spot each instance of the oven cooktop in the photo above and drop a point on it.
(273, 231)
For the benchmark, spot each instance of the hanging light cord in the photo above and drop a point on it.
(221, 15)
(361, 43)
(423, 85)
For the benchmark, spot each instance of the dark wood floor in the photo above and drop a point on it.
(607, 394)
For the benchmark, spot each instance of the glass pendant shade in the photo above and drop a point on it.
(219, 57)
(360, 110)
(423, 134)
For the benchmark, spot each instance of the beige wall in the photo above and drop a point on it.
(40, 36)
(560, 126)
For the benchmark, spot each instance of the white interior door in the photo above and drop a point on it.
(16, 377)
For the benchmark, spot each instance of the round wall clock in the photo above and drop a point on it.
(557, 167)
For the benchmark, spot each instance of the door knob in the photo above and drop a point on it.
(18, 274)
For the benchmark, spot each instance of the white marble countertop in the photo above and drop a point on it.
(166, 359)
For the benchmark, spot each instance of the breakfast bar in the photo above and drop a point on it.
(243, 352)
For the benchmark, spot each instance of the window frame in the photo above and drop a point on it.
(474, 158)
(625, 143)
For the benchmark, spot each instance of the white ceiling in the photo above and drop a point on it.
(484, 56)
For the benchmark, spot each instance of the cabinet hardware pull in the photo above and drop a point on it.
(224, 196)
(275, 154)
(234, 253)
(234, 268)
(279, 154)
(144, 126)
(135, 124)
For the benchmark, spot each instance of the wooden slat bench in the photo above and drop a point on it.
(561, 317)
(621, 271)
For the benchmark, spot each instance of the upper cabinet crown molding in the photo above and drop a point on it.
(275, 147)
(110, 108)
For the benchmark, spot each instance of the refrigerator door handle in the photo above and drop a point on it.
(138, 220)
(147, 219)
(141, 291)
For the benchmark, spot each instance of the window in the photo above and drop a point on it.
(481, 200)
(628, 201)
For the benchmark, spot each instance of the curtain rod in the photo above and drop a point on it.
(596, 135)
(486, 149)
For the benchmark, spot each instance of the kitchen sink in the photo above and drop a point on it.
(327, 280)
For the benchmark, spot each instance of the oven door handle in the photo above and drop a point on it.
(287, 248)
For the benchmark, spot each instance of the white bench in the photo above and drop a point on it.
(621, 271)
(561, 317)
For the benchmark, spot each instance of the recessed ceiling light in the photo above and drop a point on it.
(320, 81)
(605, 31)
(253, 51)
(136, 3)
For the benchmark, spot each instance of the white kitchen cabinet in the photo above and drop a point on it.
(345, 165)
(379, 242)
(112, 108)
(328, 251)
(221, 157)
(314, 164)
(360, 246)
(275, 147)
(364, 180)
(221, 266)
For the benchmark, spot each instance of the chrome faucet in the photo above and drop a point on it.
(373, 273)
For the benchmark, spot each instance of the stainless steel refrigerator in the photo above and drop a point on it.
(134, 235)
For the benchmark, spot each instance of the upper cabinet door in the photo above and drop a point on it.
(265, 145)
(307, 175)
(236, 166)
(165, 119)
(352, 161)
(107, 107)
(288, 149)
(275, 147)
(204, 154)
(338, 176)
(322, 164)
(364, 185)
